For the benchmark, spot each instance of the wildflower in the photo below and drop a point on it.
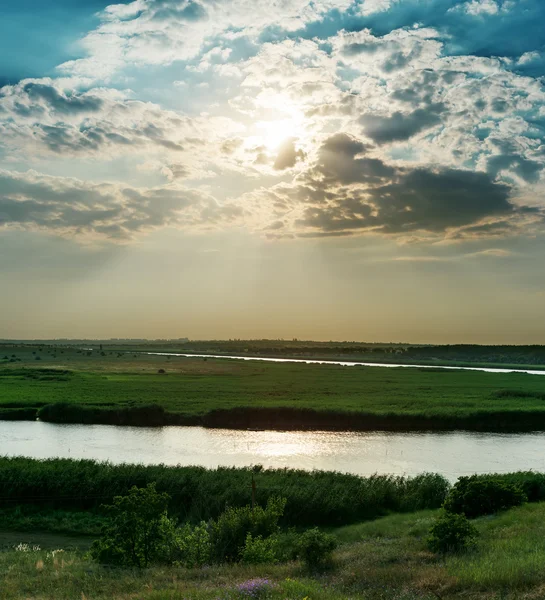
(255, 588)
(26, 548)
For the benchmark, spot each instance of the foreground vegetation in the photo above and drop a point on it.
(385, 559)
(63, 495)
(116, 386)
(205, 542)
(313, 498)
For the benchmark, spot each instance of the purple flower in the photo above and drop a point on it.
(255, 588)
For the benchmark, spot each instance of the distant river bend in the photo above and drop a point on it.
(347, 363)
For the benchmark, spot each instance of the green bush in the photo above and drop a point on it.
(139, 531)
(451, 533)
(427, 490)
(258, 550)
(286, 545)
(483, 495)
(192, 546)
(315, 548)
(229, 532)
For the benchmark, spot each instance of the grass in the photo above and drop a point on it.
(384, 559)
(32, 519)
(193, 388)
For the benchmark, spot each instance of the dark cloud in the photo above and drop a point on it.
(399, 126)
(60, 102)
(287, 155)
(168, 10)
(438, 200)
(344, 192)
(340, 163)
(69, 206)
(529, 170)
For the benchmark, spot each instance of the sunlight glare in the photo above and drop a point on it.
(275, 133)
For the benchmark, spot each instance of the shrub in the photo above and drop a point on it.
(258, 550)
(286, 545)
(451, 533)
(139, 531)
(229, 532)
(192, 546)
(482, 495)
(315, 548)
(427, 490)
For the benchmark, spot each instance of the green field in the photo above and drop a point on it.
(195, 388)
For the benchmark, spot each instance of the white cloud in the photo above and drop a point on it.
(162, 31)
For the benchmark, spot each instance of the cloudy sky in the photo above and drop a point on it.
(328, 169)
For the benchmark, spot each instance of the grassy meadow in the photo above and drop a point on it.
(386, 559)
(194, 389)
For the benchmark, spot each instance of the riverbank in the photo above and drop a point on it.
(147, 390)
(282, 419)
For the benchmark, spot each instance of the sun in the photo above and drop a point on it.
(275, 133)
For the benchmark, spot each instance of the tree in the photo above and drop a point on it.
(139, 531)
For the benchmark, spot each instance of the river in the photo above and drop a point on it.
(452, 454)
(345, 363)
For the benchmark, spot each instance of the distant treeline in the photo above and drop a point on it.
(313, 498)
(387, 352)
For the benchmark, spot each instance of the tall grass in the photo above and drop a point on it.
(313, 498)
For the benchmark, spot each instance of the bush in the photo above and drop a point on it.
(315, 548)
(482, 495)
(258, 550)
(192, 546)
(451, 533)
(139, 531)
(228, 534)
(427, 490)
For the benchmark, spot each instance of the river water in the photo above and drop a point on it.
(347, 363)
(452, 454)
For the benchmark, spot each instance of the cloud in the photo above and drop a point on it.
(480, 7)
(36, 97)
(397, 119)
(72, 122)
(287, 155)
(162, 31)
(71, 207)
(346, 191)
(399, 126)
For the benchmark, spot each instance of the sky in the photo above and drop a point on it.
(366, 170)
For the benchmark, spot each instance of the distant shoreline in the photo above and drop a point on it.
(282, 419)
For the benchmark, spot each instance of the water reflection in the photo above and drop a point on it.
(452, 454)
